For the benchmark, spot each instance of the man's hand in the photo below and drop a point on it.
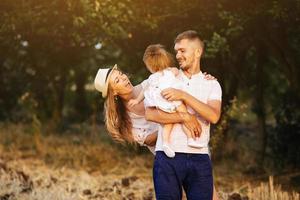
(191, 122)
(172, 94)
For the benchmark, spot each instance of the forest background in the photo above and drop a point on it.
(50, 112)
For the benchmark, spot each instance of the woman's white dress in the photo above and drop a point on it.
(141, 128)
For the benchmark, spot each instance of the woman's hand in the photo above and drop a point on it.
(208, 76)
(191, 122)
(151, 139)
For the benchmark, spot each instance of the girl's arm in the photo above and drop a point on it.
(140, 98)
(141, 95)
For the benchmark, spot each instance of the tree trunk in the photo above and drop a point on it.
(81, 105)
(59, 87)
(260, 104)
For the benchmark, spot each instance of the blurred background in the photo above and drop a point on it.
(52, 117)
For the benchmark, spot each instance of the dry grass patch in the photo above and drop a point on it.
(74, 167)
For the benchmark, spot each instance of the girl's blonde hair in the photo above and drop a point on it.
(117, 120)
(157, 58)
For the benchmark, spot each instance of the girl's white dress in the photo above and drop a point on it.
(158, 82)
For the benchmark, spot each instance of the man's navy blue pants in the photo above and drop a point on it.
(193, 172)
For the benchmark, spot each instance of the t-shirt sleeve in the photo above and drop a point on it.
(216, 91)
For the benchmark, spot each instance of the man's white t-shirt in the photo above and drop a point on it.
(204, 90)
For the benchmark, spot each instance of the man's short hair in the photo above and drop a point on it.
(190, 35)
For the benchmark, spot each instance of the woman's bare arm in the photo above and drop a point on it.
(151, 139)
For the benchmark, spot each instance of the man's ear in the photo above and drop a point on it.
(198, 52)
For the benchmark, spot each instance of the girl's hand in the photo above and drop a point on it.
(208, 76)
(132, 102)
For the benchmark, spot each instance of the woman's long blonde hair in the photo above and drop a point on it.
(117, 120)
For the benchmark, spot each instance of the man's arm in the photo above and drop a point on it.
(210, 111)
(158, 116)
(188, 120)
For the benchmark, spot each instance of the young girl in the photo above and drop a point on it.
(164, 75)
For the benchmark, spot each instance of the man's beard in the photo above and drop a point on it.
(184, 67)
(180, 64)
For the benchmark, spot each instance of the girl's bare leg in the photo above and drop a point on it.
(166, 140)
(190, 141)
(167, 132)
(182, 109)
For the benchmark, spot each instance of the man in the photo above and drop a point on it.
(191, 167)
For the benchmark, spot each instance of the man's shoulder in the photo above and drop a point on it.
(215, 85)
(215, 90)
(210, 86)
(211, 82)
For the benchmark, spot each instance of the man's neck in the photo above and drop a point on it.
(192, 70)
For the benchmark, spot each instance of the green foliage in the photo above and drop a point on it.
(47, 50)
(230, 114)
(284, 139)
(215, 46)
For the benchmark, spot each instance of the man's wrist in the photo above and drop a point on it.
(183, 96)
(185, 117)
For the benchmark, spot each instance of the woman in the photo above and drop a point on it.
(125, 123)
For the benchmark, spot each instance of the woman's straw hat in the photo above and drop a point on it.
(101, 80)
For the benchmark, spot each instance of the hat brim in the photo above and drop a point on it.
(104, 94)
